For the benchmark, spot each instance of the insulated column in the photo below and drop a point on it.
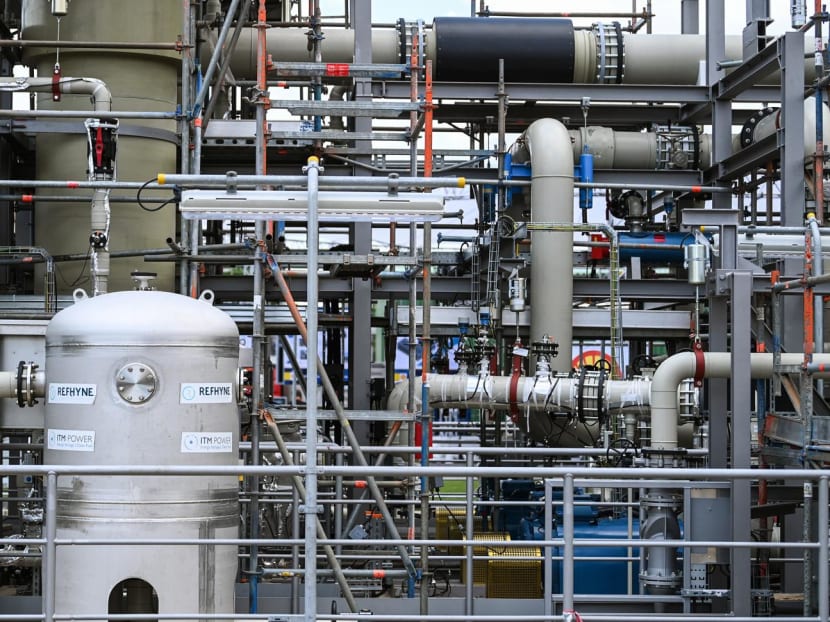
(141, 80)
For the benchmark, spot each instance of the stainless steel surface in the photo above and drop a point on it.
(143, 378)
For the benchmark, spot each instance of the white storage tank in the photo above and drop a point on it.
(144, 378)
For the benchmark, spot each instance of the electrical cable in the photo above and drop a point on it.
(161, 205)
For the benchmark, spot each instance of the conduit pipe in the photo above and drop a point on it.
(534, 50)
(547, 145)
(676, 368)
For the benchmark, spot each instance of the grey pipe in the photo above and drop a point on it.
(547, 145)
(818, 302)
(684, 365)
(648, 59)
(218, 49)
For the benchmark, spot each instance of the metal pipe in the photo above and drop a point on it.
(183, 122)
(83, 114)
(195, 225)
(472, 181)
(50, 528)
(214, 59)
(258, 337)
(818, 302)
(379, 460)
(321, 532)
(223, 68)
(823, 555)
(326, 181)
(311, 337)
(176, 46)
(568, 549)
(426, 347)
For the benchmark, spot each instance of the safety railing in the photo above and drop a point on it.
(559, 544)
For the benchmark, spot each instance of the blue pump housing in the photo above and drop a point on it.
(601, 577)
(674, 242)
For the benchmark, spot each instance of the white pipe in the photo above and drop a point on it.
(96, 89)
(547, 145)
(8, 383)
(678, 367)
(533, 394)
(769, 125)
(100, 222)
(649, 59)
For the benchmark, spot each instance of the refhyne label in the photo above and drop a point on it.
(71, 393)
(206, 393)
(207, 442)
(71, 440)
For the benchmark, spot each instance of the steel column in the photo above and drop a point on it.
(741, 438)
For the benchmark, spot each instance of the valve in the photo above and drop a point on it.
(546, 348)
(102, 141)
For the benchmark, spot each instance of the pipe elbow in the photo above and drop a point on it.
(97, 90)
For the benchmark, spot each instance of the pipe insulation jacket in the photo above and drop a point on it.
(678, 367)
(533, 394)
(534, 50)
(545, 50)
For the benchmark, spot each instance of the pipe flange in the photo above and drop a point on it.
(664, 500)
(610, 59)
(26, 384)
(136, 382)
(747, 134)
(410, 32)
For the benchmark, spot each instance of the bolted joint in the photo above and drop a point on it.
(98, 240)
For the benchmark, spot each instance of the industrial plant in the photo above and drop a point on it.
(515, 312)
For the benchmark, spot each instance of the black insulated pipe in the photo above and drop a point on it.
(468, 49)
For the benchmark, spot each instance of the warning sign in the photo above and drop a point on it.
(71, 440)
(207, 442)
(206, 393)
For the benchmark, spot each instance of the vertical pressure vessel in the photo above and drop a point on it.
(146, 379)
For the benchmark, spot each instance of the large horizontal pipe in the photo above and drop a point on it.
(467, 49)
(527, 393)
